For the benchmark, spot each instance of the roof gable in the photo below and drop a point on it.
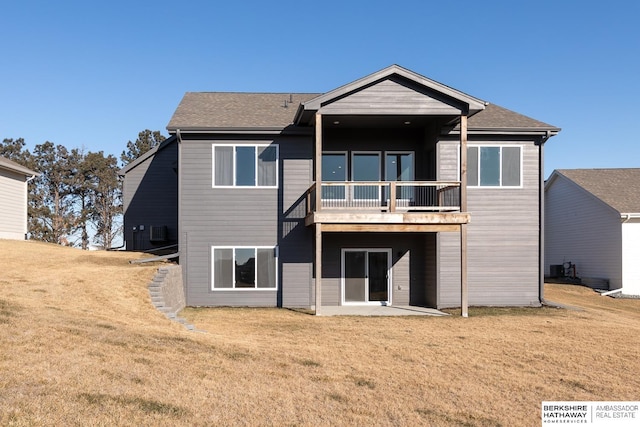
(390, 72)
(393, 96)
(393, 90)
(618, 188)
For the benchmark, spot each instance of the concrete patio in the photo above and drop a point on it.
(379, 310)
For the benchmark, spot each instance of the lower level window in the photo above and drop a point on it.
(244, 267)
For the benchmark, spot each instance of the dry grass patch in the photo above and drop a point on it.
(81, 344)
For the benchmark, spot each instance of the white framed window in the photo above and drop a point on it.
(494, 166)
(245, 165)
(244, 267)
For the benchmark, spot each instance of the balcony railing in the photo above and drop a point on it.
(391, 196)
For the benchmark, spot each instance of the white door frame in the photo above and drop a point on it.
(388, 251)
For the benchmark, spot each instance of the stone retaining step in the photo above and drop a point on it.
(156, 292)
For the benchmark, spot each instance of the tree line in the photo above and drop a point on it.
(77, 198)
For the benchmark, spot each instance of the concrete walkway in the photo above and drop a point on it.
(379, 310)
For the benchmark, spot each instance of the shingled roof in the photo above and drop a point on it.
(231, 110)
(275, 111)
(618, 188)
(494, 117)
(237, 110)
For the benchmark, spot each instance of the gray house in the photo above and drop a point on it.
(391, 190)
(592, 219)
(150, 192)
(13, 199)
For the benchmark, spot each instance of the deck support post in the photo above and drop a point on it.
(464, 289)
(318, 161)
(318, 268)
(318, 226)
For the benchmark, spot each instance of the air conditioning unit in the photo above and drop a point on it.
(158, 233)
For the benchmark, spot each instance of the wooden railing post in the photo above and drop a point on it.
(392, 196)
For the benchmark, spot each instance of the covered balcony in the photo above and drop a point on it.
(377, 162)
(419, 206)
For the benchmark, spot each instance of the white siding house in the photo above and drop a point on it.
(592, 219)
(13, 199)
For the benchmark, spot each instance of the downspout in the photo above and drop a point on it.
(541, 217)
(182, 243)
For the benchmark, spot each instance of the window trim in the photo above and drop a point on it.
(233, 270)
(256, 146)
(500, 146)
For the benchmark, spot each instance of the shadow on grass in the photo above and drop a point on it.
(147, 406)
(8, 310)
(505, 311)
(459, 419)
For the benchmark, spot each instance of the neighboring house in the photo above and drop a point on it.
(393, 189)
(13, 199)
(592, 220)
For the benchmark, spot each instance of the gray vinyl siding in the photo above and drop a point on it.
(431, 274)
(251, 217)
(150, 198)
(410, 264)
(391, 96)
(583, 230)
(503, 237)
(295, 239)
(13, 202)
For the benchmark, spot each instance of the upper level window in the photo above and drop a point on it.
(494, 166)
(243, 165)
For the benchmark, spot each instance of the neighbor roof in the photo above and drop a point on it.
(15, 167)
(618, 188)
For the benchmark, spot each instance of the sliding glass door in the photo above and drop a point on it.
(365, 276)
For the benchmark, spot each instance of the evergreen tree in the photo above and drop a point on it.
(105, 193)
(52, 217)
(146, 141)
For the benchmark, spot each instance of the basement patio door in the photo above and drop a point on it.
(366, 276)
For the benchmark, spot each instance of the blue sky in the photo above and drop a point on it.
(93, 74)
